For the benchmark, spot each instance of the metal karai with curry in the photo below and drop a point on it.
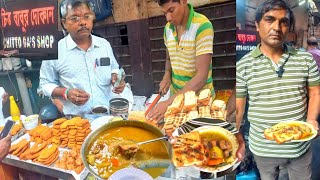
(105, 157)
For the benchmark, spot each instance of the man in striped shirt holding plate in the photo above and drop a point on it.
(188, 37)
(282, 84)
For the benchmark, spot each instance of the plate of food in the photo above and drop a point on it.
(290, 131)
(209, 149)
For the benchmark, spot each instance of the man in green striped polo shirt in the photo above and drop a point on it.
(188, 37)
(282, 84)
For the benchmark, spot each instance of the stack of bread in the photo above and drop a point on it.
(188, 106)
(218, 109)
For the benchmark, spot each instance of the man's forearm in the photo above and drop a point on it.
(58, 92)
(168, 68)
(240, 108)
(313, 108)
(239, 137)
(239, 118)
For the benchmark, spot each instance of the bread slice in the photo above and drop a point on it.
(192, 115)
(204, 97)
(218, 105)
(176, 105)
(190, 155)
(188, 139)
(268, 133)
(305, 130)
(179, 119)
(190, 101)
(168, 113)
(137, 115)
(281, 137)
(204, 111)
(222, 114)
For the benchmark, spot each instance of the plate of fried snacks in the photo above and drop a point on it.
(55, 147)
(209, 149)
(290, 131)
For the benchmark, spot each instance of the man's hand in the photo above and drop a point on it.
(78, 96)
(242, 147)
(314, 124)
(157, 113)
(114, 78)
(165, 84)
(5, 145)
(5, 97)
(119, 89)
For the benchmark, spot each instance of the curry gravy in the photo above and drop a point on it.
(108, 159)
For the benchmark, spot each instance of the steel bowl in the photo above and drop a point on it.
(92, 136)
(101, 109)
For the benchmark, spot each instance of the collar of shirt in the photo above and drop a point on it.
(191, 15)
(71, 44)
(256, 52)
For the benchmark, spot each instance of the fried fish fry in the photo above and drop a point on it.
(59, 121)
(22, 145)
(48, 151)
(38, 147)
(22, 150)
(16, 146)
(46, 135)
(23, 156)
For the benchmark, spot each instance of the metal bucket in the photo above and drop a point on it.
(119, 107)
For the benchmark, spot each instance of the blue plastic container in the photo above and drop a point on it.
(250, 175)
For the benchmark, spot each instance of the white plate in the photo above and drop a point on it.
(230, 136)
(95, 124)
(130, 173)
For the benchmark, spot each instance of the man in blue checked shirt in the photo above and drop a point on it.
(86, 69)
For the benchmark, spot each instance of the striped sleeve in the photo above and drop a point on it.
(313, 75)
(165, 35)
(241, 83)
(204, 39)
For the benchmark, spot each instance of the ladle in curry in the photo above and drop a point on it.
(129, 150)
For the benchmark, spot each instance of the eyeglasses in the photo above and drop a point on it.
(76, 19)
